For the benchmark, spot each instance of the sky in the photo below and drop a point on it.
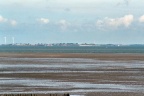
(72, 21)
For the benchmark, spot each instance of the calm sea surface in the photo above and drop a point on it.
(76, 49)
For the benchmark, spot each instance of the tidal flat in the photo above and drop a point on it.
(77, 76)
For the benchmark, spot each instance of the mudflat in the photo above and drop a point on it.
(102, 56)
(77, 74)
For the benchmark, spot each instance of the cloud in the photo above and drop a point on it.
(44, 20)
(8, 21)
(63, 24)
(141, 19)
(115, 22)
(13, 22)
(127, 20)
(125, 2)
(2, 19)
(67, 9)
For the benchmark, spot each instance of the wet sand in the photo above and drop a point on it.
(77, 74)
(102, 56)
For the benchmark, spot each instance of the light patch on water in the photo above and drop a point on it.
(69, 85)
(72, 66)
(55, 71)
(80, 91)
(2, 78)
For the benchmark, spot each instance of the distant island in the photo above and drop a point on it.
(71, 44)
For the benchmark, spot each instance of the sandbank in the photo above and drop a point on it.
(101, 56)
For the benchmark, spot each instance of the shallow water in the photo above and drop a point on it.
(70, 75)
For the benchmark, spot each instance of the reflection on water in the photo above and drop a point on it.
(75, 76)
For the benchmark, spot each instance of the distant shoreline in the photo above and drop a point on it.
(101, 56)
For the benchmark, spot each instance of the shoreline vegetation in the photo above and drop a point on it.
(101, 56)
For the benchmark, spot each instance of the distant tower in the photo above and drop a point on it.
(13, 40)
(5, 39)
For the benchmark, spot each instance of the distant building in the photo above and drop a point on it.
(85, 44)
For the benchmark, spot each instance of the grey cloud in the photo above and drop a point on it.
(127, 2)
(124, 2)
(67, 9)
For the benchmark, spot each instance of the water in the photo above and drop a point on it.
(75, 49)
(70, 75)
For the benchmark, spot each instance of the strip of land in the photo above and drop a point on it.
(101, 56)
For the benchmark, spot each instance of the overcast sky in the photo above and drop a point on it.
(77, 21)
